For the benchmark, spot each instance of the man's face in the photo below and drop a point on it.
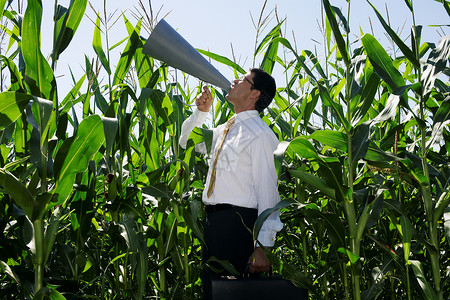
(241, 92)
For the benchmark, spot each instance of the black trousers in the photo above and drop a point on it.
(228, 236)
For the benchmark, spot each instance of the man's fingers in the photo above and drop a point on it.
(258, 269)
(207, 92)
(255, 268)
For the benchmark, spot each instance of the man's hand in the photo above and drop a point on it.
(204, 100)
(258, 261)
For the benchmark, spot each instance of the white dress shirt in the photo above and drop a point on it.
(245, 172)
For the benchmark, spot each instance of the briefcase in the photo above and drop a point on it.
(260, 288)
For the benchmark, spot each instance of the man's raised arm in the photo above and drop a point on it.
(198, 117)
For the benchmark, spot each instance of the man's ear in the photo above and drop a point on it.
(254, 95)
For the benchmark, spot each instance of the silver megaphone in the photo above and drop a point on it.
(165, 44)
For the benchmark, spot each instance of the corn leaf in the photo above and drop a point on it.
(40, 205)
(14, 34)
(435, 64)
(16, 78)
(300, 60)
(270, 57)
(303, 148)
(72, 19)
(367, 97)
(157, 100)
(291, 273)
(49, 293)
(331, 172)
(274, 33)
(2, 7)
(225, 264)
(337, 34)
(440, 120)
(74, 155)
(352, 257)
(446, 218)
(405, 50)
(97, 44)
(7, 269)
(316, 63)
(360, 142)
(207, 138)
(409, 4)
(391, 106)
(222, 59)
(315, 182)
(375, 154)
(18, 191)
(51, 231)
(151, 146)
(333, 223)
(341, 19)
(45, 116)
(278, 156)
(266, 213)
(110, 126)
(59, 14)
(335, 106)
(100, 101)
(38, 74)
(334, 139)
(406, 232)
(156, 191)
(382, 63)
(74, 92)
(421, 278)
(377, 279)
(283, 125)
(126, 58)
(446, 5)
(442, 203)
(12, 105)
(144, 69)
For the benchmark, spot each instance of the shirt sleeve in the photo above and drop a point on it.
(265, 185)
(195, 120)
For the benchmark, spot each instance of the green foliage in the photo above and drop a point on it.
(105, 204)
(68, 27)
(38, 74)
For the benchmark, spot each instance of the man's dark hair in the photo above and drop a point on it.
(264, 83)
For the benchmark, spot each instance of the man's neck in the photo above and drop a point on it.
(242, 109)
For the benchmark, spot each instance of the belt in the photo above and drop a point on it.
(224, 206)
(218, 207)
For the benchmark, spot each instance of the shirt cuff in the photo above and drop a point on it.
(267, 238)
(199, 117)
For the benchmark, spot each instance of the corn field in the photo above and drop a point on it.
(98, 200)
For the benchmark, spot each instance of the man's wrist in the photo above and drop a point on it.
(267, 247)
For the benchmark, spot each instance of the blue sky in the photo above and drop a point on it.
(216, 25)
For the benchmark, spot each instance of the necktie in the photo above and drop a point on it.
(212, 180)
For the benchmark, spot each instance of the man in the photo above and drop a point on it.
(241, 181)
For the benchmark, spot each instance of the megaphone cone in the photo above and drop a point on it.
(167, 45)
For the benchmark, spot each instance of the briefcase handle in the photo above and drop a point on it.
(248, 274)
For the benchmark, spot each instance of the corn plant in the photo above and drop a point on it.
(359, 177)
(114, 211)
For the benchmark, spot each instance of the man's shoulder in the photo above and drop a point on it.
(260, 130)
(262, 127)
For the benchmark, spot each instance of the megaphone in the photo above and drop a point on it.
(167, 45)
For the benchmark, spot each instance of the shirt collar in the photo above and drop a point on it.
(244, 115)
